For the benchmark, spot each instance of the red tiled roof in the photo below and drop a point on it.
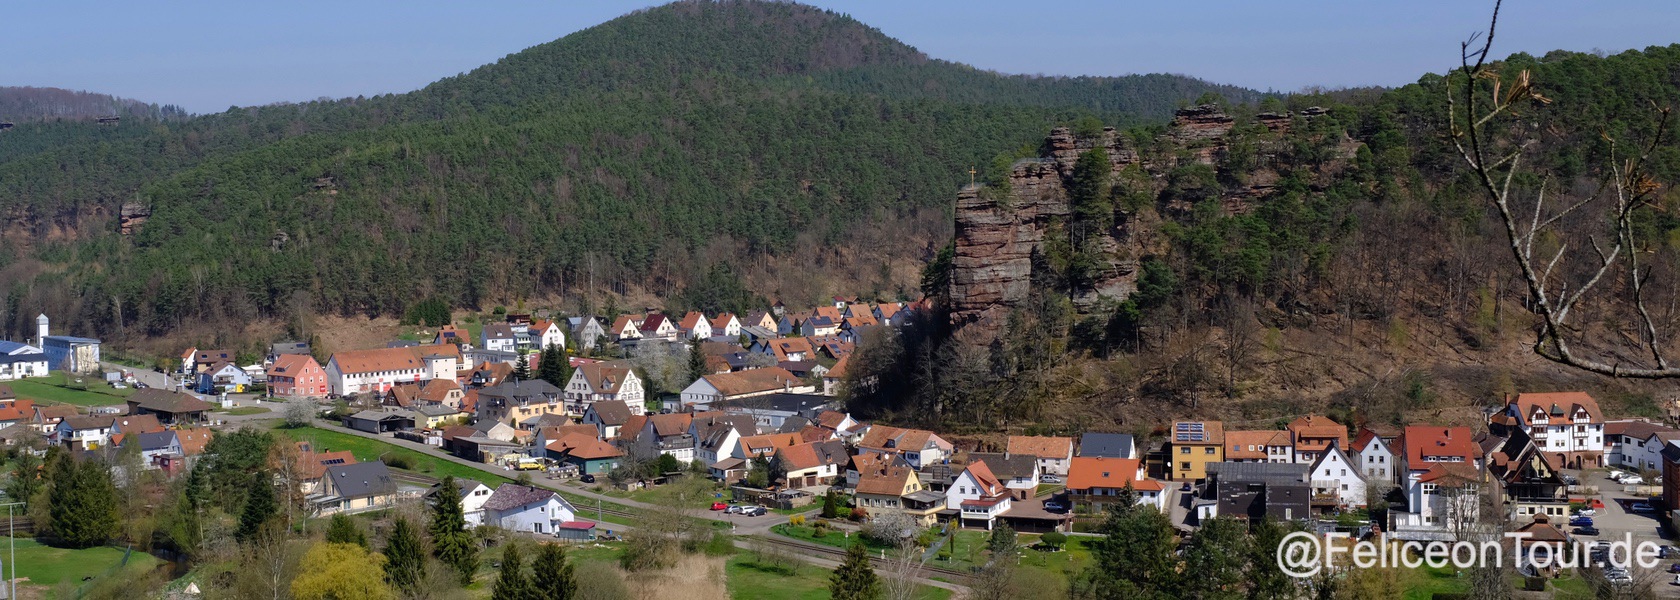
(1041, 446)
(1434, 440)
(1566, 402)
(1087, 472)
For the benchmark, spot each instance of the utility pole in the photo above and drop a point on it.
(11, 532)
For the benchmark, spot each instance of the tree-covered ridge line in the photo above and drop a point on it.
(600, 157)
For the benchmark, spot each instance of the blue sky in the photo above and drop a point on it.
(207, 56)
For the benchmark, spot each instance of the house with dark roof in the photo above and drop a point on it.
(380, 421)
(515, 401)
(354, 488)
(717, 389)
(1109, 446)
(516, 507)
(1637, 444)
(1255, 491)
(589, 455)
(602, 382)
(1018, 472)
(18, 360)
(498, 337)
(472, 494)
(90, 432)
(608, 416)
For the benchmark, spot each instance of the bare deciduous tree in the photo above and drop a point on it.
(901, 580)
(1482, 108)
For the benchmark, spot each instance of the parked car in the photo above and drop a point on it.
(1667, 551)
(1618, 576)
(1570, 480)
(587, 478)
(720, 506)
(1585, 512)
(1185, 488)
(1581, 522)
(1586, 530)
(1617, 476)
(1674, 567)
(1633, 480)
(1055, 506)
(734, 509)
(754, 511)
(1642, 507)
(1050, 479)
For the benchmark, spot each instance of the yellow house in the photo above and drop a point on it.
(897, 489)
(1194, 444)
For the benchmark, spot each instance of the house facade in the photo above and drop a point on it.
(1194, 445)
(516, 507)
(978, 496)
(601, 382)
(1098, 480)
(1568, 425)
(1053, 454)
(297, 376)
(1337, 481)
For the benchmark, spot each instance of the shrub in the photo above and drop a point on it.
(797, 520)
(399, 461)
(858, 514)
(844, 512)
(1054, 539)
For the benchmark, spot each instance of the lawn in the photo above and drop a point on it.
(365, 450)
(1426, 582)
(664, 494)
(749, 581)
(244, 410)
(53, 388)
(832, 538)
(47, 566)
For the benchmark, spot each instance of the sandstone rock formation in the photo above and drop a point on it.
(998, 231)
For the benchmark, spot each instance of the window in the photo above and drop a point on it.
(1207, 450)
(1184, 450)
(1183, 466)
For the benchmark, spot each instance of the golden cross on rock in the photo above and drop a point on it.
(971, 173)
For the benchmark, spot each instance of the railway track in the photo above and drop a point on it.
(838, 554)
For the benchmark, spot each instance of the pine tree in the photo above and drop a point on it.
(696, 361)
(553, 367)
(551, 576)
(512, 584)
(259, 508)
(854, 579)
(82, 503)
(831, 506)
(343, 530)
(404, 559)
(450, 541)
(522, 368)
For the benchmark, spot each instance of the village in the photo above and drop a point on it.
(765, 423)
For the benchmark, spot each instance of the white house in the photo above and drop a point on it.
(547, 333)
(498, 337)
(1440, 477)
(21, 360)
(223, 376)
(978, 496)
(586, 331)
(695, 326)
(726, 325)
(1637, 445)
(602, 381)
(813, 463)
(919, 447)
(516, 507)
(1564, 425)
(658, 326)
(626, 327)
(376, 370)
(1375, 458)
(473, 496)
(1334, 474)
(84, 433)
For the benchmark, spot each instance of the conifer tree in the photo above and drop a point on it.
(854, 579)
(696, 361)
(522, 368)
(551, 576)
(404, 559)
(512, 584)
(450, 541)
(343, 530)
(82, 503)
(260, 507)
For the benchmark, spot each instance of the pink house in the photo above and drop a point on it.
(297, 375)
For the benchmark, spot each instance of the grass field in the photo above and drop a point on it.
(47, 566)
(365, 450)
(53, 388)
(244, 410)
(749, 581)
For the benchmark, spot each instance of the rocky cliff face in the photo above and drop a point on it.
(998, 232)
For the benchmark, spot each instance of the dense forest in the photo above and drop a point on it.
(634, 156)
(1346, 263)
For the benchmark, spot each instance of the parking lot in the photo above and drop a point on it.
(1617, 522)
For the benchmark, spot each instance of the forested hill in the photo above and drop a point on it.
(633, 156)
(21, 104)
